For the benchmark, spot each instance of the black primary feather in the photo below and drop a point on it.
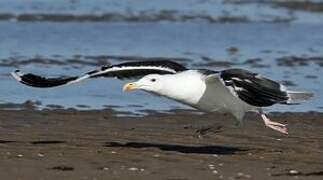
(42, 82)
(254, 89)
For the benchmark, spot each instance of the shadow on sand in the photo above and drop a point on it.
(222, 150)
(34, 142)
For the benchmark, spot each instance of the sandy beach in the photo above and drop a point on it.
(71, 144)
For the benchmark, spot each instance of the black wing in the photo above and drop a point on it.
(41, 82)
(124, 70)
(138, 68)
(253, 88)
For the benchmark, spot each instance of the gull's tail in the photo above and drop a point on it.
(296, 96)
(43, 82)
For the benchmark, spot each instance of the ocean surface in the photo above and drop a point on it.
(55, 38)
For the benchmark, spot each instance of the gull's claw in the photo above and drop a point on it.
(282, 128)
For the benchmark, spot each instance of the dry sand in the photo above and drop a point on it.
(70, 144)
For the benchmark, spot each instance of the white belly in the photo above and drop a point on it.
(217, 97)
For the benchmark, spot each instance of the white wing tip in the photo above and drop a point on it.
(17, 75)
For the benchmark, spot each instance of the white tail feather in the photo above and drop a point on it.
(295, 96)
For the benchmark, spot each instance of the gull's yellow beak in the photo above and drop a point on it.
(129, 86)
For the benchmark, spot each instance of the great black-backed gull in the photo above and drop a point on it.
(234, 91)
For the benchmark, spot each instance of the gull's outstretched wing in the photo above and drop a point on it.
(124, 70)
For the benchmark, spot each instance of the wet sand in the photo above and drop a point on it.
(70, 144)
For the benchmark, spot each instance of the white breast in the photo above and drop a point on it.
(186, 87)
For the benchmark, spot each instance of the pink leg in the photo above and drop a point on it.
(274, 125)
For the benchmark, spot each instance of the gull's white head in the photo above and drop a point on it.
(151, 83)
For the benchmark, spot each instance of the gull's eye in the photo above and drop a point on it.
(153, 80)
